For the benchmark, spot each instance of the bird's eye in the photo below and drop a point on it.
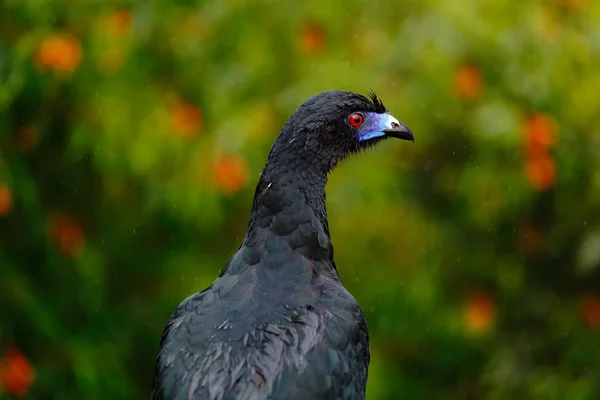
(356, 120)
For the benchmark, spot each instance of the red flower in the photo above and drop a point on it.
(68, 234)
(312, 38)
(541, 170)
(479, 312)
(6, 199)
(186, 119)
(541, 132)
(16, 374)
(60, 52)
(591, 312)
(230, 173)
(468, 82)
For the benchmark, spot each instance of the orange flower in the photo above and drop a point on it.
(118, 24)
(541, 170)
(6, 199)
(591, 311)
(186, 119)
(27, 138)
(230, 174)
(68, 234)
(468, 82)
(312, 38)
(60, 52)
(479, 312)
(16, 374)
(541, 132)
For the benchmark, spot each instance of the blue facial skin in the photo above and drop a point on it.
(373, 125)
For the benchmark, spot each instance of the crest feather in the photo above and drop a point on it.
(377, 103)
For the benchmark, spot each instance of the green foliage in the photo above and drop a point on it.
(132, 133)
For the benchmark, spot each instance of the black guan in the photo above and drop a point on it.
(277, 323)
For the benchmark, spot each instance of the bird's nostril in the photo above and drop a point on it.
(395, 125)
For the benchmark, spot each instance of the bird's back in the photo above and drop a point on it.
(242, 338)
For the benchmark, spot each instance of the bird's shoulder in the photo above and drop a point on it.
(234, 304)
(241, 336)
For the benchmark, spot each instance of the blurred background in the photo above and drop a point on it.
(131, 139)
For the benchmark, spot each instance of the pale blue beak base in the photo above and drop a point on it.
(374, 125)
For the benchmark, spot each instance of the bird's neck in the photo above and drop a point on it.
(289, 208)
(301, 169)
(286, 190)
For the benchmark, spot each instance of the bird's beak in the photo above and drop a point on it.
(385, 125)
(399, 131)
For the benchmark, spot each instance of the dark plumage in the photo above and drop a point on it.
(277, 323)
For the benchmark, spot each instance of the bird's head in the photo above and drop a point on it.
(331, 125)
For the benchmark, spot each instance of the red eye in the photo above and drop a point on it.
(356, 120)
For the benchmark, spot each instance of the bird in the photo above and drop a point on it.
(277, 323)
